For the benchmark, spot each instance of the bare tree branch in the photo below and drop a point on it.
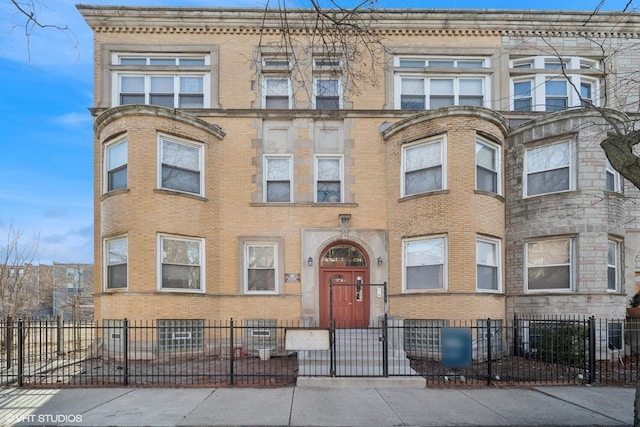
(28, 11)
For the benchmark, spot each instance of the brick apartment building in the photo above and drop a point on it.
(467, 178)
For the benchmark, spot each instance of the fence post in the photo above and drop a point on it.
(515, 335)
(592, 350)
(385, 346)
(232, 349)
(20, 352)
(125, 345)
(59, 335)
(489, 356)
(8, 342)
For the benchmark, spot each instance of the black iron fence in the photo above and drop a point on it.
(256, 352)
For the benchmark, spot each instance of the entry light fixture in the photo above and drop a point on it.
(379, 260)
(310, 262)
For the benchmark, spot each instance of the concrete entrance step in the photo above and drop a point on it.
(351, 368)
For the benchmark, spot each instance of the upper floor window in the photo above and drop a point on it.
(277, 93)
(432, 93)
(181, 263)
(549, 265)
(613, 265)
(260, 267)
(487, 167)
(425, 264)
(613, 179)
(487, 265)
(548, 169)
(430, 83)
(172, 81)
(327, 94)
(116, 162)
(552, 84)
(327, 83)
(116, 257)
(277, 179)
(180, 166)
(423, 167)
(328, 179)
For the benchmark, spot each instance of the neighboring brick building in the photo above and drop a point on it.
(73, 291)
(244, 197)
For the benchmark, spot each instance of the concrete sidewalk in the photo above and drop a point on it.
(318, 406)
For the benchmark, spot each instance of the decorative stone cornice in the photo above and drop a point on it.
(116, 113)
(476, 112)
(582, 114)
(410, 22)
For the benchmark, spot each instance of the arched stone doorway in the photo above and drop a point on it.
(345, 264)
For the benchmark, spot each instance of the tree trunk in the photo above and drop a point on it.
(619, 151)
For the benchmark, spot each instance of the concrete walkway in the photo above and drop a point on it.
(340, 404)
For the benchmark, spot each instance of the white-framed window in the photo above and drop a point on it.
(180, 264)
(180, 165)
(423, 83)
(327, 93)
(116, 261)
(276, 93)
(549, 265)
(278, 181)
(544, 83)
(429, 93)
(614, 264)
(261, 268)
(405, 61)
(328, 179)
(423, 166)
(173, 81)
(488, 255)
(425, 264)
(488, 167)
(613, 178)
(116, 159)
(548, 169)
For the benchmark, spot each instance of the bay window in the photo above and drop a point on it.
(487, 167)
(548, 169)
(552, 84)
(180, 166)
(116, 259)
(549, 264)
(425, 264)
(116, 165)
(423, 167)
(181, 263)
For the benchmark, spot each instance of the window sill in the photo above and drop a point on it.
(302, 204)
(181, 291)
(556, 193)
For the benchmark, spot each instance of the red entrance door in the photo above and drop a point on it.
(350, 302)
